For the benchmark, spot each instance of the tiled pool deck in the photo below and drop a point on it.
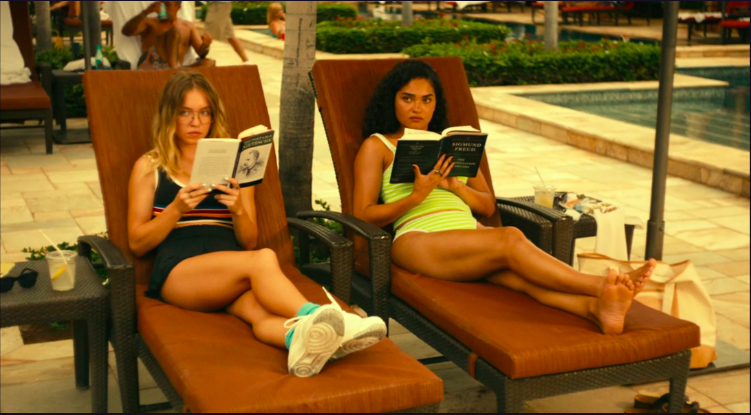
(60, 193)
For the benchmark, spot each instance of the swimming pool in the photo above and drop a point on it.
(534, 32)
(717, 115)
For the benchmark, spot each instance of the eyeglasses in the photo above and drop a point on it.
(186, 117)
(26, 279)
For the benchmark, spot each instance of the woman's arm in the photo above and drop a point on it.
(144, 233)
(241, 202)
(246, 224)
(476, 194)
(368, 178)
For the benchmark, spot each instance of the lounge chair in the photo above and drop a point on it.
(30, 100)
(211, 362)
(735, 16)
(512, 344)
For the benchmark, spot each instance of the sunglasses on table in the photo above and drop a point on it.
(26, 279)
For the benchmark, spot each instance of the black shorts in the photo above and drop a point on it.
(184, 243)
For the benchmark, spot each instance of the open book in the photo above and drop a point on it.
(424, 148)
(244, 158)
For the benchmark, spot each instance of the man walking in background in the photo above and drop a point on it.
(218, 23)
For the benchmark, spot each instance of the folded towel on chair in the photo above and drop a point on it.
(12, 67)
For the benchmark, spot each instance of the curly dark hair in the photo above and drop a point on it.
(380, 117)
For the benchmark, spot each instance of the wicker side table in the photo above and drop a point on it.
(85, 305)
(585, 227)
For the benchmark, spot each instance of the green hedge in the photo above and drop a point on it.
(254, 12)
(376, 36)
(75, 103)
(527, 63)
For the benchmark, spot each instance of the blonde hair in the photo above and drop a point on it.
(273, 11)
(165, 155)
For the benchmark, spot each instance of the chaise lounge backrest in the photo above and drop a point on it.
(19, 11)
(115, 162)
(343, 113)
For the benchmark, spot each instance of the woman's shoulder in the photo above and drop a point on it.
(144, 167)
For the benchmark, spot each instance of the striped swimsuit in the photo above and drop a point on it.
(204, 230)
(208, 212)
(440, 211)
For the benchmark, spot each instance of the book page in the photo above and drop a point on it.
(411, 135)
(252, 131)
(462, 128)
(215, 159)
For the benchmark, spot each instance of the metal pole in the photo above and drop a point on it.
(86, 36)
(95, 24)
(407, 13)
(551, 25)
(656, 224)
(44, 26)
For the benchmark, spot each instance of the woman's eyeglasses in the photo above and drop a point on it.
(186, 117)
(26, 279)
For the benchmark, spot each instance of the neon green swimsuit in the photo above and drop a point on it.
(440, 211)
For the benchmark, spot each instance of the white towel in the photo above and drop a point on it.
(611, 234)
(12, 67)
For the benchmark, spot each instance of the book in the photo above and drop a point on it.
(423, 148)
(243, 158)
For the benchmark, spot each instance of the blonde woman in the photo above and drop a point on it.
(205, 240)
(277, 20)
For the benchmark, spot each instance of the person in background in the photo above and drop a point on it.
(277, 20)
(219, 25)
(166, 39)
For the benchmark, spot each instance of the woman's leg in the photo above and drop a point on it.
(469, 255)
(213, 281)
(608, 311)
(267, 327)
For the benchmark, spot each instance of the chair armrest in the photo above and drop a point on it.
(545, 212)
(342, 255)
(120, 64)
(379, 254)
(122, 278)
(44, 71)
(551, 230)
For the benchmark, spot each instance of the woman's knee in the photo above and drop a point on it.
(511, 235)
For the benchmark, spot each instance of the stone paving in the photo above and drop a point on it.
(60, 194)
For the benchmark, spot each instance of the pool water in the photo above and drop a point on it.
(717, 115)
(534, 32)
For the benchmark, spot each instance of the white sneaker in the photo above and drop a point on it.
(316, 338)
(360, 333)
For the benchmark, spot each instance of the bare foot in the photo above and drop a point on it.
(611, 308)
(640, 276)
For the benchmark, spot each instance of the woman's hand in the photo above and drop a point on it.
(190, 196)
(452, 184)
(231, 196)
(424, 184)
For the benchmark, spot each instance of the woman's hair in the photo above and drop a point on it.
(380, 117)
(165, 154)
(273, 11)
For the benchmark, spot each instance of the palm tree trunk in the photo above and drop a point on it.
(407, 17)
(297, 107)
(551, 25)
(44, 27)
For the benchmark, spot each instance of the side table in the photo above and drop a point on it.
(86, 305)
(585, 227)
(60, 79)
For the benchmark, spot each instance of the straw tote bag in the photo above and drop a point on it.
(675, 289)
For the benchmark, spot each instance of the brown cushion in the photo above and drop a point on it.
(524, 338)
(217, 365)
(30, 95)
